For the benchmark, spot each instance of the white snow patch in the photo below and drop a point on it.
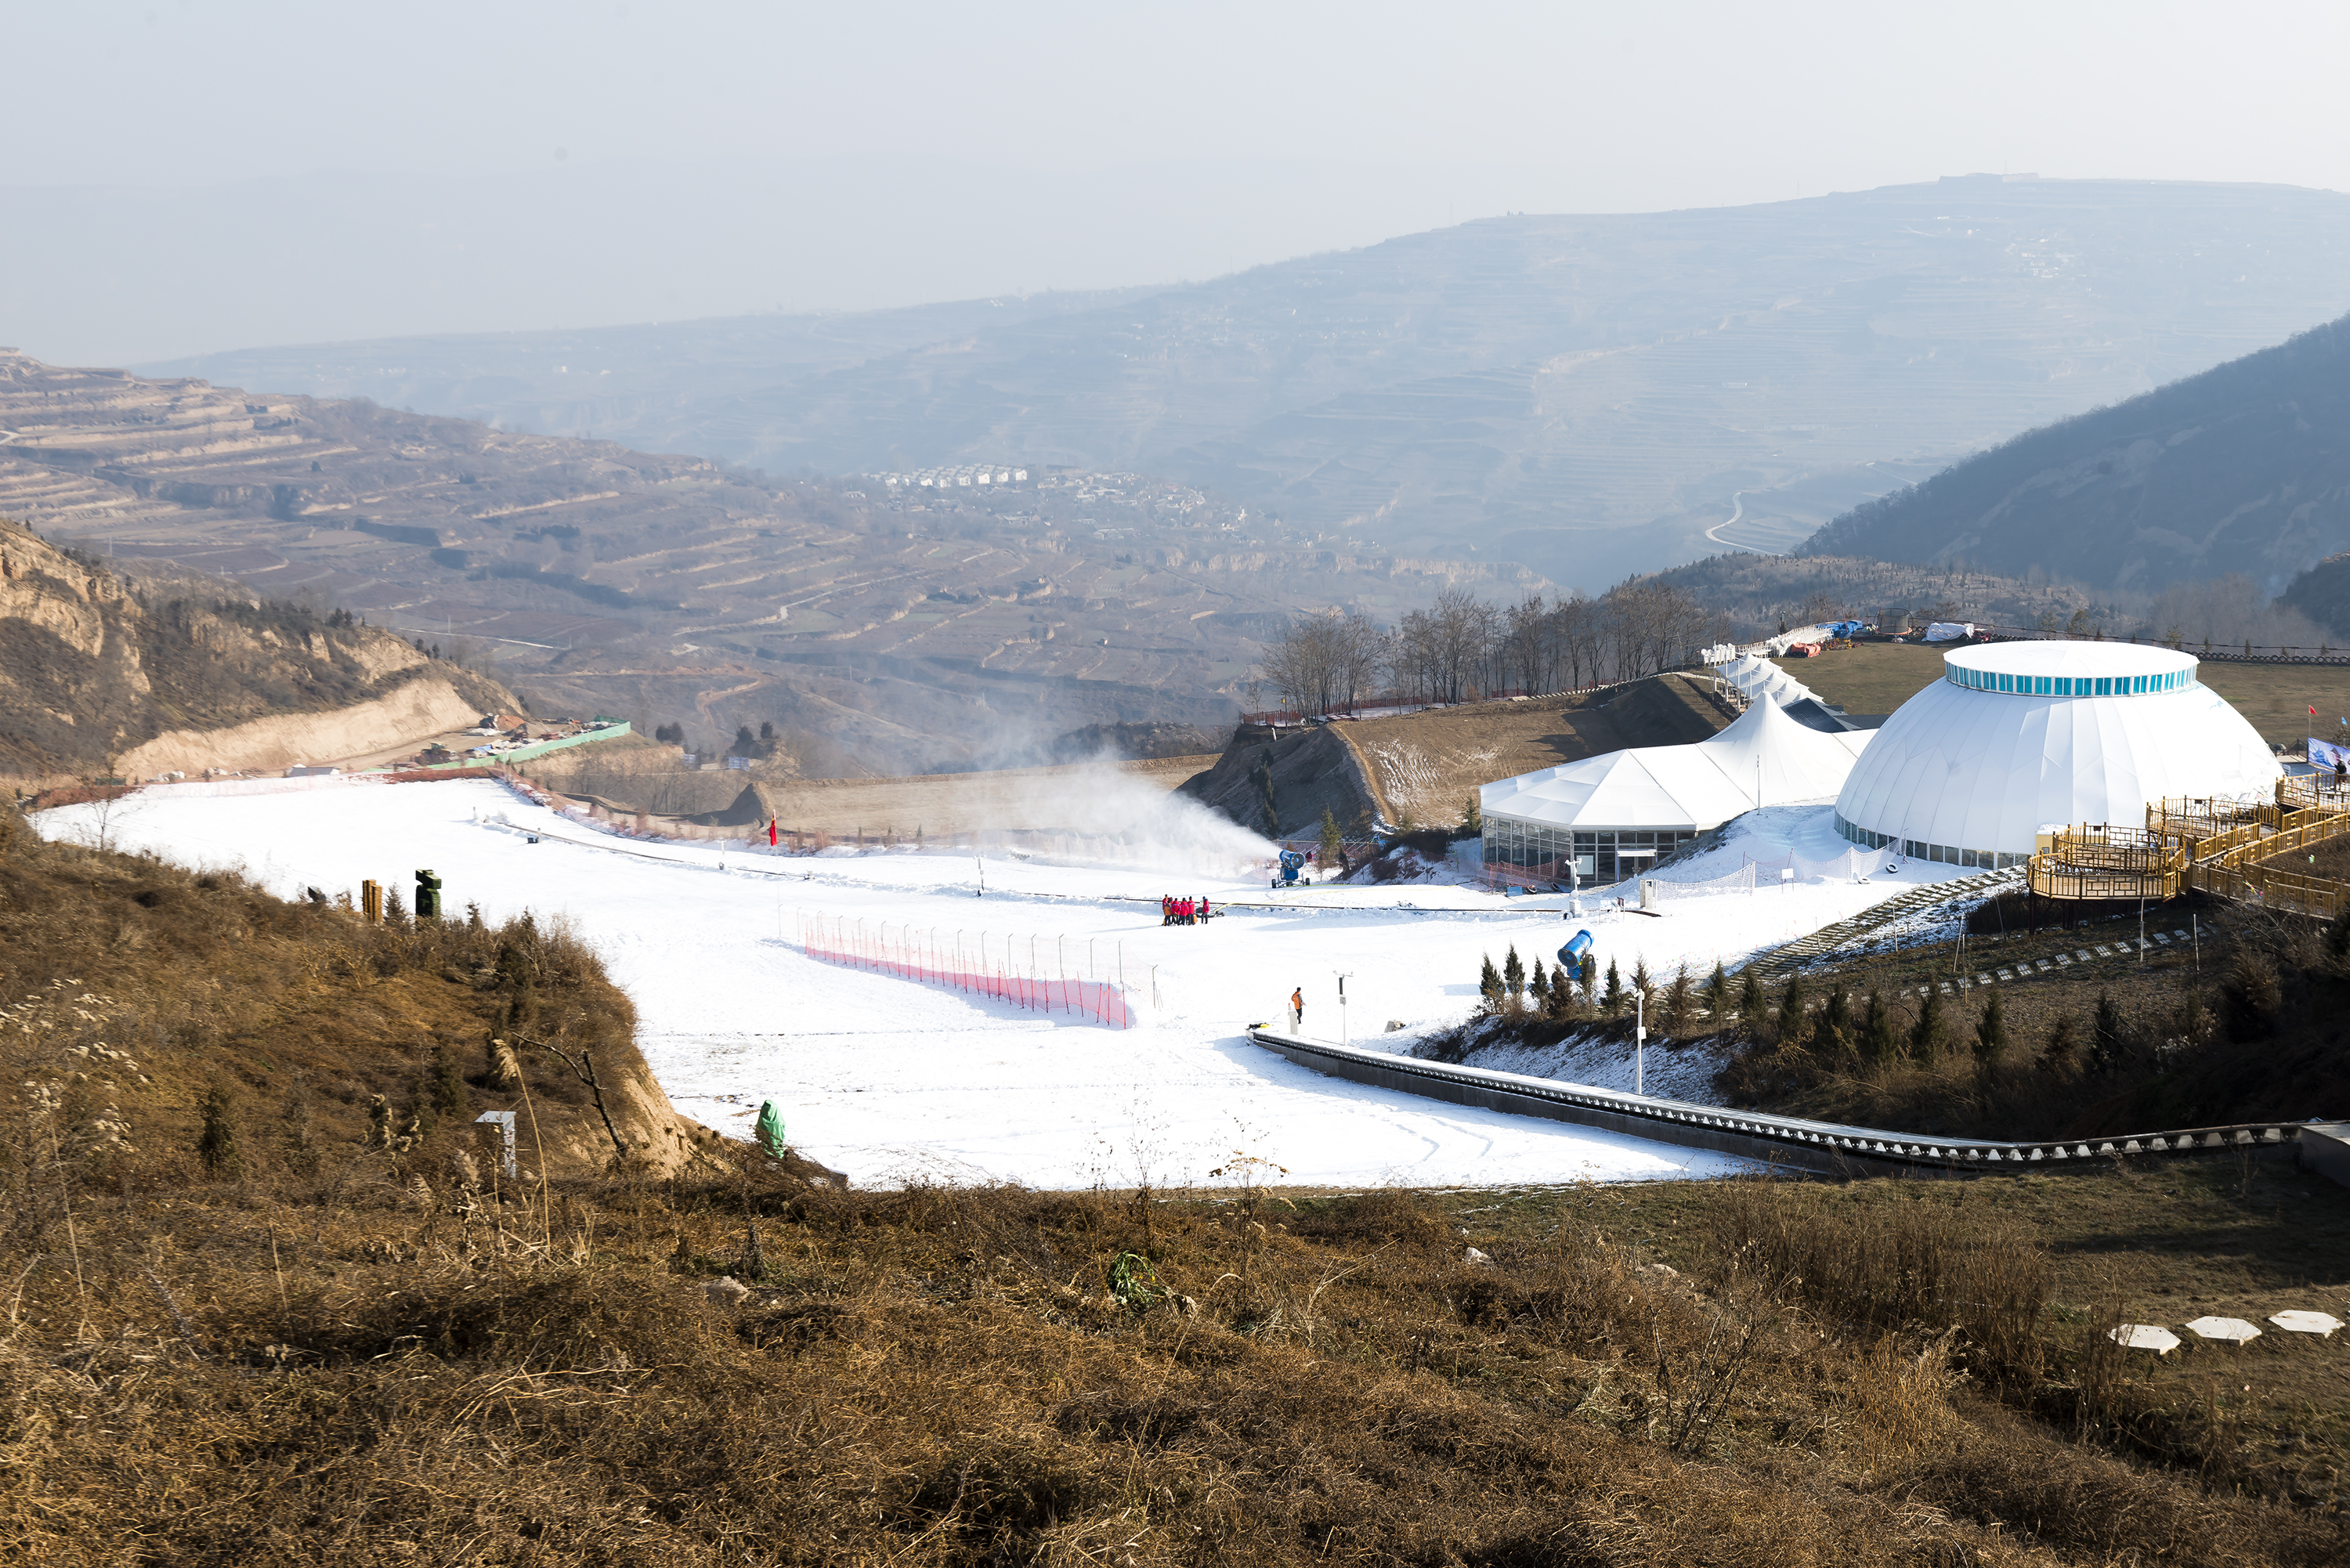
(888, 1079)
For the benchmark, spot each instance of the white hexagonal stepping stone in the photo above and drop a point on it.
(2234, 1330)
(2321, 1324)
(2143, 1336)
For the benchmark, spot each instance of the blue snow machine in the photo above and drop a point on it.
(1572, 954)
(1293, 861)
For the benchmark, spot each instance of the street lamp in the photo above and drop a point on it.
(1639, 1039)
(1342, 974)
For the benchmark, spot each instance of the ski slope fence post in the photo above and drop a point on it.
(922, 956)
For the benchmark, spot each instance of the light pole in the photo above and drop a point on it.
(1342, 975)
(1639, 1039)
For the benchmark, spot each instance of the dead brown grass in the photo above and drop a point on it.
(241, 1374)
(328, 1352)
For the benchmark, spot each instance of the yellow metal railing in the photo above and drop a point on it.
(2099, 861)
(2210, 843)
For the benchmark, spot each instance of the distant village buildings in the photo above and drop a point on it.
(964, 477)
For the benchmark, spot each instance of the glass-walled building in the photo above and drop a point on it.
(1613, 816)
(1598, 856)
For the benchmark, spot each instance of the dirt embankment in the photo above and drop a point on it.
(1421, 769)
(1089, 797)
(108, 668)
(411, 713)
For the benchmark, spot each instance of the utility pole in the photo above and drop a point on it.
(1342, 975)
(1639, 1041)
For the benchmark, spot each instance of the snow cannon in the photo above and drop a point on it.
(1572, 954)
(1293, 861)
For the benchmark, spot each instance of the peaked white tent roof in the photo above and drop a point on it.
(1764, 758)
(1759, 677)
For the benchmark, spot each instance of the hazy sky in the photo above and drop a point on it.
(1600, 106)
(1255, 130)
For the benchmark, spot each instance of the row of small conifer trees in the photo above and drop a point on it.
(1868, 1027)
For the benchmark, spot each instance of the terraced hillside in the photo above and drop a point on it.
(669, 590)
(1545, 388)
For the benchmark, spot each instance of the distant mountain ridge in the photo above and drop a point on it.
(1586, 394)
(2244, 468)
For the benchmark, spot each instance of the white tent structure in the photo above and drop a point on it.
(1613, 814)
(2019, 735)
(1759, 678)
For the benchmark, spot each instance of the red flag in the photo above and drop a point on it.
(2312, 712)
(771, 823)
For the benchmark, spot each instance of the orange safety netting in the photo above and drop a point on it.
(967, 963)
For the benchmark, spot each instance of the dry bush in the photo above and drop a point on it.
(1925, 1263)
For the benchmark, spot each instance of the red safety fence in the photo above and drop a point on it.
(981, 963)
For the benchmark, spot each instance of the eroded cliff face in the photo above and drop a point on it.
(100, 674)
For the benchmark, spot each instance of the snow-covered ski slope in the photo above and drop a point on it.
(892, 1079)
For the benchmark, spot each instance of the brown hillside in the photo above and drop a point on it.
(100, 672)
(145, 986)
(1425, 766)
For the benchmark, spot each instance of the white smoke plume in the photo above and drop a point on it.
(1101, 812)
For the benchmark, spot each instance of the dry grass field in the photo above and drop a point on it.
(242, 1329)
(1427, 764)
(2275, 698)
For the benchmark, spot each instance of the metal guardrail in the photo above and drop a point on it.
(1825, 1148)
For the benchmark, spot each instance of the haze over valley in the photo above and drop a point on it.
(1588, 396)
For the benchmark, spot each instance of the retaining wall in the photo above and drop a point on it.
(1822, 1148)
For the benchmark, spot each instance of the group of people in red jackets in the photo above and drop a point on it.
(1174, 911)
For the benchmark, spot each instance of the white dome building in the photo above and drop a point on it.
(2019, 735)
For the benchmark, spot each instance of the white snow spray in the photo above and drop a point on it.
(1127, 818)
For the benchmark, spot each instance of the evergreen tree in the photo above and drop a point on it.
(1927, 1035)
(1795, 1026)
(1537, 984)
(1333, 841)
(1473, 821)
(1587, 974)
(1990, 1032)
(216, 1140)
(1750, 1005)
(1679, 1002)
(2063, 1041)
(1717, 995)
(1878, 1043)
(2106, 1042)
(1835, 1020)
(1489, 986)
(1611, 1000)
(1514, 974)
(1561, 993)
